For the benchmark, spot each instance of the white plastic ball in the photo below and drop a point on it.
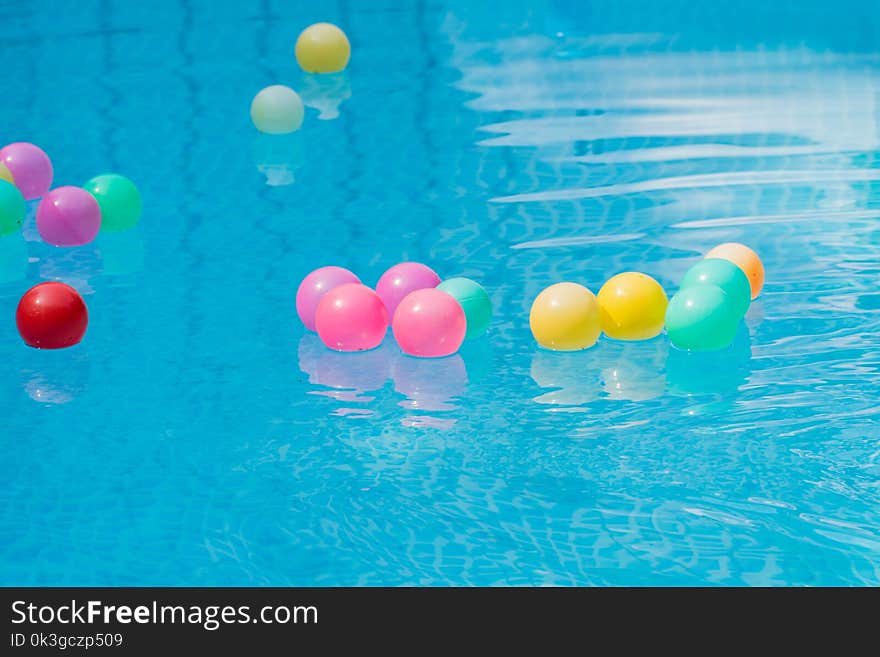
(277, 110)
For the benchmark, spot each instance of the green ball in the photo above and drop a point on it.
(119, 199)
(474, 301)
(12, 208)
(702, 318)
(724, 274)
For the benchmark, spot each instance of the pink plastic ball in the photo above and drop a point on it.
(402, 279)
(351, 317)
(68, 216)
(429, 323)
(30, 168)
(315, 286)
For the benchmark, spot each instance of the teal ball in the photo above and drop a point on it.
(723, 274)
(475, 302)
(702, 318)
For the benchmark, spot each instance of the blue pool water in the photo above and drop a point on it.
(198, 436)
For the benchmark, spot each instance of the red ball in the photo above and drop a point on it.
(52, 316)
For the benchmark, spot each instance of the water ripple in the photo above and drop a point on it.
(795, 217)
(577, 240)
(700, 181)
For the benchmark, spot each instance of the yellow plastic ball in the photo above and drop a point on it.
(6, 174)
(632, 306)
(322, 48)
(565, 317)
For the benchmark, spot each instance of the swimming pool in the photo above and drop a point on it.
(198, 435)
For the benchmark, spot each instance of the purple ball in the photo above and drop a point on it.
(68, 216)
(315, 286)
(402, 279)
(30, 168)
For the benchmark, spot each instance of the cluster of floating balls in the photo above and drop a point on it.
(52, 315)
(320, 48)
(429, 318)
(713, 297)
(703, 315)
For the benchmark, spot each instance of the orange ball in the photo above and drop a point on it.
(744, 258)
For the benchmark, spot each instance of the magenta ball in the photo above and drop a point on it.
(315, 286)
(68, 216)
(402, 279)
(351, 317)
(30, 168)
(429, 323)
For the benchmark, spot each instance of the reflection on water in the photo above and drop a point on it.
(427, 384)
(348, 376)
(477, 356)
(639, 371)
(13, 258)
(573, 377)
(44, 391)
(278, 157)
(325, 93)
(430, 384)
(56, 376)
(76, 266)
(29, 227)
(714, 372)
(121, 252)
(633, 371)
